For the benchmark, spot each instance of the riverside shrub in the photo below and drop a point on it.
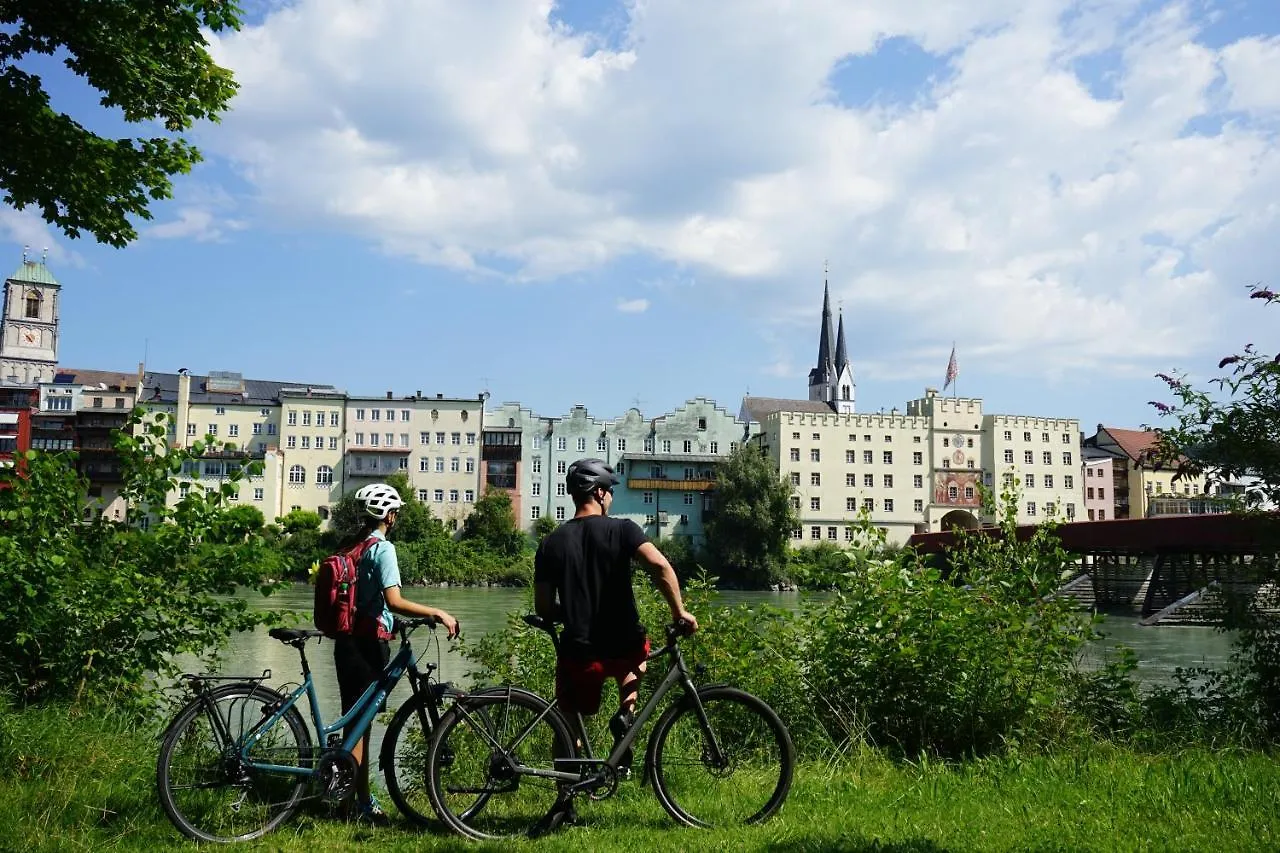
(951, 665)
(95, 608)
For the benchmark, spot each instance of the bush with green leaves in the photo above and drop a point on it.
(956, 664)
(543, 526)
(300, 521)
(96, 609)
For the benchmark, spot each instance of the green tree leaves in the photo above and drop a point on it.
(100, 609)
(749, 534)
(1231, 429)
(492, 525)
(149, 59)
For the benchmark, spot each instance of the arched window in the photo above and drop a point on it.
(33, 304)
(324, 476)
(323, 512)
(297, 474)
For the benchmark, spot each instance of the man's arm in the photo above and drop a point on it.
(544, 601)
(664, 578)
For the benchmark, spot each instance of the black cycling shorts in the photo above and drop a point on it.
(359, 662)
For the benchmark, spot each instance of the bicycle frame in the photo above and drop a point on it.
(359, 718)
(677, 674)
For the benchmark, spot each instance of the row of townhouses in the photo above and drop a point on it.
(921, 469)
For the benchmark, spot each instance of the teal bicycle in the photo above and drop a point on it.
(238, 760)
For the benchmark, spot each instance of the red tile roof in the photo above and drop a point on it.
(1137, 444)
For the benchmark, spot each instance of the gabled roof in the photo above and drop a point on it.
(95, 378)
(34, 272)
(758, 408)
(1137, 444)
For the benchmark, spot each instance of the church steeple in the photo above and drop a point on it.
(823, 376)
(842, 387)
(29, 324)
(842, 355)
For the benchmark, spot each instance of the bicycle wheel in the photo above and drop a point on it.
(469, 764)
(751, 781)
(206, 788)
(404, 757)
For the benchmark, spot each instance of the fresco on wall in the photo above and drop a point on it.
(956, 488)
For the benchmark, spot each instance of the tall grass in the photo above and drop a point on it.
(84, 781)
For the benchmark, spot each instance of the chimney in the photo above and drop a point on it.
(418, 394)
(389, 397)
(439, 396)
(184, 405)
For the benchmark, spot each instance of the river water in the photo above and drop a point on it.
(481, 610)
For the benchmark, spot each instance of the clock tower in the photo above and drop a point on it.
(29, 325)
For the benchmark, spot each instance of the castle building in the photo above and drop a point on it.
(924, 469)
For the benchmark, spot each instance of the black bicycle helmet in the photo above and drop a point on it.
(587, 475)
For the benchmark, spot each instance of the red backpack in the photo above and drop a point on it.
(335, 603)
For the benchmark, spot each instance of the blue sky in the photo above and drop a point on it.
(609, 203)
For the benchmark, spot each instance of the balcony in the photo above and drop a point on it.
(96, 449)
(101, 424)
(669, 485)
(364, 448)
(223, 453)
(500, 452)
(373, 472)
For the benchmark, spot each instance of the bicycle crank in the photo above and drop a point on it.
(336, 771)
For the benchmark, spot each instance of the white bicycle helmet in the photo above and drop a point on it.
(379, 499)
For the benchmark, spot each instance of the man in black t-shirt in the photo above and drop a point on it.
(582, 577)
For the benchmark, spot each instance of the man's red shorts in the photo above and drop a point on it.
(579, 683)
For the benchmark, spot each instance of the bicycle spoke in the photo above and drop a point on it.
(481, 791)
(740, 777)
(208, 788)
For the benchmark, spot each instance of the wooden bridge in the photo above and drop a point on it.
(1167, 570)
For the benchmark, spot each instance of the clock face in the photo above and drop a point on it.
(958, 440)
(29, 336)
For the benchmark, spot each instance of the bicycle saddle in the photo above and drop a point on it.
(292, 635)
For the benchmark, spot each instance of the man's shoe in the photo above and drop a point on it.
(562, 814)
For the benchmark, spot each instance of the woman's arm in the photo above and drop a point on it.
(397, 603)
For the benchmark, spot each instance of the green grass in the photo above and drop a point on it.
(71, 782)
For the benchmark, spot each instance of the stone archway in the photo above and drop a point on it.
(959, 519)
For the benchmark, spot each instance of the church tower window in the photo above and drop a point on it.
(33, 304)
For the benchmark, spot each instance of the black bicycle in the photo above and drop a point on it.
(718, 755)
(238, 760)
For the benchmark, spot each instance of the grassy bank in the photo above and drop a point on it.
(70, 782)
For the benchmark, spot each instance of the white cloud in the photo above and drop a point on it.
(1005, 201)
(193, 223)
(633, 306)
(1252, 66)
(25, 227)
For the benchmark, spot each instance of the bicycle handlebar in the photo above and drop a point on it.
(675, 630)
(409, 624)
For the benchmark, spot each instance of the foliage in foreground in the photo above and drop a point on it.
(73, 781)
(94, 606)
(147, 58)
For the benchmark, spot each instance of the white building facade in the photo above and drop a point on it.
(925, 469)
